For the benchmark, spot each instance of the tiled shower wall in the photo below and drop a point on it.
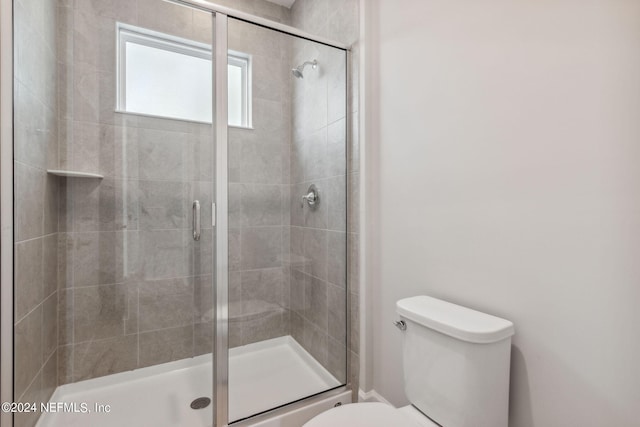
(36, 197)
(135, 289)
(324, 117)
(259, 193)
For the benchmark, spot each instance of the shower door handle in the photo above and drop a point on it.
(196, 220)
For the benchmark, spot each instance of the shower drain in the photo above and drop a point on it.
(201, 402)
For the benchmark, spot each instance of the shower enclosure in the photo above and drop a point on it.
(180, 214)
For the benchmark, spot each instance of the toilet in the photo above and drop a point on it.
(456, 371)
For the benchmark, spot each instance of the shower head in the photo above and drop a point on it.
(297, 72)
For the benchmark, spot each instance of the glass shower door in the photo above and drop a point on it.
(114, 184)
(286, 219)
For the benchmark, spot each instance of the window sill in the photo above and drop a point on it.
(153, 116)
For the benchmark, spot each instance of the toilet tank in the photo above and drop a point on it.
(456, 362)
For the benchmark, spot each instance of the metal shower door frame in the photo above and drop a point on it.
(221, 17)
(221, 254)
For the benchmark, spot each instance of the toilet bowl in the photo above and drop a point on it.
(371, 415)
(456, 371)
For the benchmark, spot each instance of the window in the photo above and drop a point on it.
(166, 76)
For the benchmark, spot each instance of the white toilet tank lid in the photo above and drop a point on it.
(454, 320)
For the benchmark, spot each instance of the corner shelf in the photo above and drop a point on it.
(74, 174)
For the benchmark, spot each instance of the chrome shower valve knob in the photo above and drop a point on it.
(312, 197)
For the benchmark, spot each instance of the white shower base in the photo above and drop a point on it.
(262, 376)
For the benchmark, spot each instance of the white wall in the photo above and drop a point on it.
(509, 181)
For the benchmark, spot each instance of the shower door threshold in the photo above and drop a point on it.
(262, 376)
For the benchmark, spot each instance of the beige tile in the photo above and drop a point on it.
(166, 345)
(297, 327)
(28, 276)
(65, 259)
(337, 312)
(84, 198)
(119, 9)
(31, 395)
(118, 151)
(160, 155)
(260, 247)
(315, 155)
(99, 358)
(29, 190)
(314, 340)
(298, 213)
(166, 304)
(296, 243)
(337, 148)
(202, 253)
(65, 316)
(86, 93)
(263, 285)
(164, 205)
(199, 154)
(131, 319)
(234, 249)
(49, 326)
(260, 205)
(269, 325)
(260, 162)
(165, 254)
(337, 258)
(315, 251)
(118, 205)
(203, 338)
(86, 37)
(166, 17)
(65, 364)
(49, 377)
(29, 141)
(28, 350)
(49, 264)
(202, 26)
(85, 258)
(299, 282)
(99, 312)
(337, 359)
(203, 296)
(315, 302)
(336, 75)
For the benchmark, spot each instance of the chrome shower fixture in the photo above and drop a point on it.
(297, 72)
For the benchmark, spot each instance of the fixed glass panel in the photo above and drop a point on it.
(287, 254)
(114, 302)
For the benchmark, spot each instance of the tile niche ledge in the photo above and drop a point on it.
(74, 174)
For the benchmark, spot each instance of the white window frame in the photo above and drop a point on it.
(243, 60)
(131, 34)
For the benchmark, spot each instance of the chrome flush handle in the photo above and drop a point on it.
(400, 324)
